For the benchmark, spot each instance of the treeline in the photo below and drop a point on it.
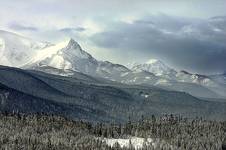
(42, 131)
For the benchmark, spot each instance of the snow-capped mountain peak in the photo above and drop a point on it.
(73, 44)
(69, 55)
(64, 55)
(154, 66)
(74, 49)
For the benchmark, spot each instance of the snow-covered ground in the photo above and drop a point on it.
(136, 142)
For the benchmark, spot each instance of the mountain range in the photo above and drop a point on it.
(68, 56)
(64, 78)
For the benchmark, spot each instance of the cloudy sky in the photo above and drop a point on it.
(186, 34)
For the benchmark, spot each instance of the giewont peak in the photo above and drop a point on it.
(74, 50)
(72, 44)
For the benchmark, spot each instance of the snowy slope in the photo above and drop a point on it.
(16, 50)
(203, 80)
(194, 84)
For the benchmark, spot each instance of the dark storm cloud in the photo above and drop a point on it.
(195, 44)
(20, 27)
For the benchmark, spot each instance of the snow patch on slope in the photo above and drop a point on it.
(136, 142)
(49, 51)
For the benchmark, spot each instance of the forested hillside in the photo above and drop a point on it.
(93, 99)
(42, 131)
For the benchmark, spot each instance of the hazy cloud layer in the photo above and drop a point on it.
(20, 27)
(72, 30)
